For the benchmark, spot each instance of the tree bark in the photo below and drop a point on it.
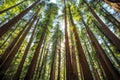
(59, 65)
(69, 69)
(53, 66)
(33, 63)
(12, 44)
(96, 75)
(105, 29)
(82, 59)
(1, 45)
(43, 64)
(109, 69)
(5, 65)
(19, 70)
(74, 61)
(12, 22)
(59, 62)
(41, 60)
(110, 17)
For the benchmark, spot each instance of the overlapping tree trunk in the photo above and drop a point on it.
(69, 69)
(19, 70)
(33, 63)
(110, 71)
(12, 44)
(6, 63)
(82, 59)
(12, 22)
(111, 36)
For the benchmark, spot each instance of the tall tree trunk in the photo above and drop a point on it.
(82, 59)
(11, 7)
(111, 18)
(43, 64)
(69, 69)
(109, 69)
(102, 74)
(105, 29)
(5, 65)
(12, 22)
(54, 55)
(12, 44)
(74, 61)
(110, 15)
(1, 45)
(40, 61)
(19, 70)
(53, 66)
(33, 63)
(112, 53)
(96, 75)
(59, 64)
(59, 61)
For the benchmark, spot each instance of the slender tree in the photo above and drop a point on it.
(12, 22)
(18, 72)
(9, 35)
(105, 29)
(53, 66)
(32, 66)
(43, 64)
(69, 69)
(12, 44)
(110, 71)
(59, 64)
(82, 59)
(74, 61)
(95, 73)
(6, 63)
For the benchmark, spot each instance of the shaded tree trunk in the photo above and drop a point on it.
(59, 65)
(109, 69)
(43, 64)
(110, 18)
(33, 63)
(74, 61)
(69, 69)
(19, 70)
(59, 62)
(54, 55)
(40, 62)
(96, 75)
(82, 59)
(5, 65)
(112, 53)
(105, 29)
(105, 41)
(53, 67)
(1, 45)
(12, 44)
(12, 22)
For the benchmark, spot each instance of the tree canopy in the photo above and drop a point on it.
(60, 40)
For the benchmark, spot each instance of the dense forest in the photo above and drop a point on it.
(59, 39)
